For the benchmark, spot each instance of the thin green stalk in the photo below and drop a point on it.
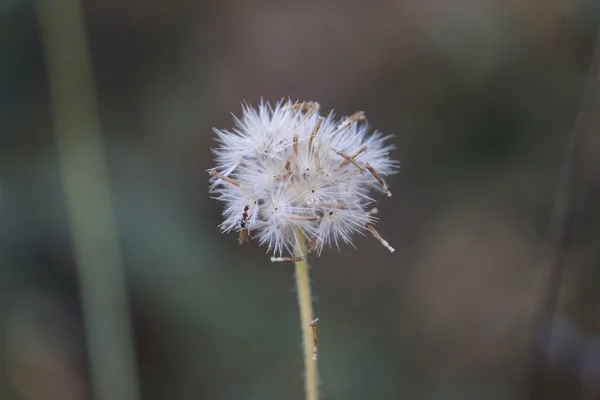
(306, 316)
(86, 188)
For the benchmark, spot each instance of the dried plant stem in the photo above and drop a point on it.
(306, 316)
(89, 210)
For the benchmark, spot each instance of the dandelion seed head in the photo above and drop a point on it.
(286, 168)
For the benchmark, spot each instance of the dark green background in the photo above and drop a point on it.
(481, 96)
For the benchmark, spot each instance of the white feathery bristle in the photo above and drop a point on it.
(285, 169)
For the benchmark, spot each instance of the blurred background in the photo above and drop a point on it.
(481, 96)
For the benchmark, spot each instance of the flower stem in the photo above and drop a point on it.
(306, 316)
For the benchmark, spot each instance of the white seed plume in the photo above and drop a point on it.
(285, 169)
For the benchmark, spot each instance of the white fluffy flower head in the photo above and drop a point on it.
(285, 171)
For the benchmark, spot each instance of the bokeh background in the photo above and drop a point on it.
(481, 96)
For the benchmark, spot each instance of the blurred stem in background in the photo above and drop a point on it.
(87, 195)
(306, 317)
(571, 188)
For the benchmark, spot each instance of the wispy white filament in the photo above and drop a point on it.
(286, 168)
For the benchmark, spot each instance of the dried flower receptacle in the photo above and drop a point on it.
(286, 168)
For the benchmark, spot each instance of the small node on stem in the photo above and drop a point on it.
(313, 325)
(379, 179)
(377, 236)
